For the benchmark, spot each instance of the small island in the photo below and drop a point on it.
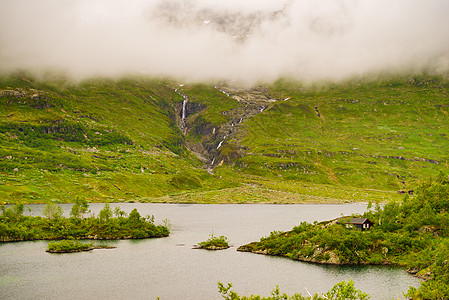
(214, 243)
(108, 225)
(71, 246)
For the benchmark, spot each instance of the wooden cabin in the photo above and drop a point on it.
(359, 223)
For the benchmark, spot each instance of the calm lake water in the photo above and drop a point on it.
(170, 269)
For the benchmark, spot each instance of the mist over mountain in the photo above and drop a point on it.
(231, 40)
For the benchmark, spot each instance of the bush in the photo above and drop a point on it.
(215, 242)
(341, 291)
(68, 246)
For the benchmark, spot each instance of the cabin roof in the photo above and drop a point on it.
(359, 221)
(356, 221)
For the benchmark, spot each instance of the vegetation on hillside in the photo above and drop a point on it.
(109, 224)
(413, 233)
(106, 140)
(385, 133)
(114, 140)
(341, 291)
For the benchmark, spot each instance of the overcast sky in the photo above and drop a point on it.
(232, 39)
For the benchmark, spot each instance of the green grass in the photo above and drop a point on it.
(385, 134)
(107, 140)
(119, 140)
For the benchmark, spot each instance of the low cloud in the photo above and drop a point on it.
(225, 40)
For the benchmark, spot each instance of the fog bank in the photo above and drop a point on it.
(230, 40)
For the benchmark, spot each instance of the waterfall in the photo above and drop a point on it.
(219, 145)
(262, 109)
(213, 160)
(184, 103)
(183, 114)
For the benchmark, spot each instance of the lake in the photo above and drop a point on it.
(170, 269)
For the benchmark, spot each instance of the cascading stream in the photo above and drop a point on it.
(224, 92)
(252, 102)
(219, 145)
(183, 115)
(183, 111)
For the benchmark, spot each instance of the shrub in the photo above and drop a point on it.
(68, 246)
(340, 291)
(213, 241)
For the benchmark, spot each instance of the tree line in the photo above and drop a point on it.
(82, 224)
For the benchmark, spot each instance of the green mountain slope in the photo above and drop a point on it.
(101, 139)
(370, 134)
(139, 139)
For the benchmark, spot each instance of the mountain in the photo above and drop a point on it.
(146, 139)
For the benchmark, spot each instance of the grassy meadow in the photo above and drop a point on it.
(372, 134)
(115, 140)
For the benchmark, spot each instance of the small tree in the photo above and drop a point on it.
(52, 211)
(13, 213)
(106, 213)
(79, 208)
(118, 212)
(18, 209)
(134, 216)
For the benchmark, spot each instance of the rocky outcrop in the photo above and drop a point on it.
(220, 144)
(317, 255)
(33, 98)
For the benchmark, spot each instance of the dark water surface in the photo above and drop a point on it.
(170, 269)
